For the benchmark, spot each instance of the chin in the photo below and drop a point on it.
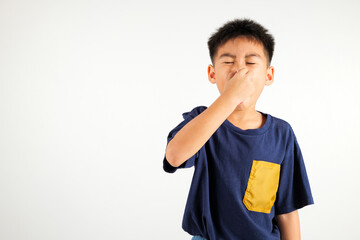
(240, 106)
(243, 106)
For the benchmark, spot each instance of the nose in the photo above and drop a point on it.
(238, 65)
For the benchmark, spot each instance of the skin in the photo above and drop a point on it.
(289, 225)
(244, 116)
(254, 73)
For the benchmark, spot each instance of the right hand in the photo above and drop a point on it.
(240, 86)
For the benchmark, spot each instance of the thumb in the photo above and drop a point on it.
(243, 71)
(233, 74)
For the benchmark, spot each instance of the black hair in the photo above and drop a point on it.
(242, 28)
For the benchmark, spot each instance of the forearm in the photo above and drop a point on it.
(289, 225)
(197, 132)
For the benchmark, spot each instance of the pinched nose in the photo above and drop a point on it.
(233, 74)
(242, 70)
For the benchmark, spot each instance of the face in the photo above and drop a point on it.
(241, 53)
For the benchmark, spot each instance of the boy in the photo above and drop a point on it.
(249, 177)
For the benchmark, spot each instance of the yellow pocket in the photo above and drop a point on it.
(262, 186)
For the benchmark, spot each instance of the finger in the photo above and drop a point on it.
(243, 71)
(233, 74)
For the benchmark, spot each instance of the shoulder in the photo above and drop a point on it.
(194, 112)
(282, 126)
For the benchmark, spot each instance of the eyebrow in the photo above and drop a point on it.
(233, 56)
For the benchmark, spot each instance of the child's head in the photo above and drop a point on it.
(242, 28)
(241, 44)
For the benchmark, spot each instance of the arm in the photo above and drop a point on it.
(197, 132)
(191, 137)
(289, 225)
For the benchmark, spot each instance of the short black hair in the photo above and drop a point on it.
(242, 28)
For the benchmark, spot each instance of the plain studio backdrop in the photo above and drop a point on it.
(89, 91)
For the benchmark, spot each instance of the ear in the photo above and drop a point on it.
(211, 73)
(269, 76)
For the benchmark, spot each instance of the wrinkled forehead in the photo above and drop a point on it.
(251, 39)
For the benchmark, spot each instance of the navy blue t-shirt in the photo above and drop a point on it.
(242, 179)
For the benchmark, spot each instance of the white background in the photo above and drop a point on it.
(89, 91)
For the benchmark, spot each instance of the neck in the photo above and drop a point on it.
(246, 118)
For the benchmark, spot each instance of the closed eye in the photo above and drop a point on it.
(233, 62)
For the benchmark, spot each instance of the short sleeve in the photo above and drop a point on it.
(188, 116)
(294, 188)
